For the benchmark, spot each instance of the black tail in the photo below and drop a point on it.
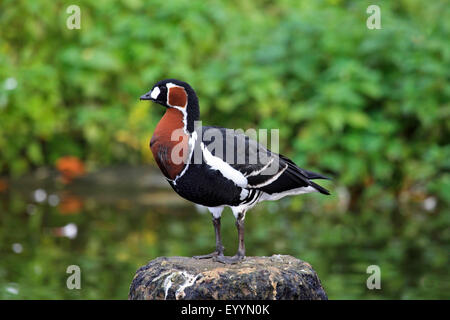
(319, 188)
(306, 175)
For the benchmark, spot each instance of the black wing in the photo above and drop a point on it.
(264, 170)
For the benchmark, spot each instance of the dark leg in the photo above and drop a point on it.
(240, 254)
(219, 246)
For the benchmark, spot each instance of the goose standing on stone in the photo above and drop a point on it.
(217, 167)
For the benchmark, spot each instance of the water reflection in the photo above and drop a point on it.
(117, 220)
(70, 231)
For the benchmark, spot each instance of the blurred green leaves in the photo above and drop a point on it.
(368, 107)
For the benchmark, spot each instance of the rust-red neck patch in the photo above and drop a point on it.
(177, 96)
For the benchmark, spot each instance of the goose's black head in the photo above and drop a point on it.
(173, 93)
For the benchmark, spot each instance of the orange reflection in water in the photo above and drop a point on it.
(70, 204)
(3, 185)
(70, 167)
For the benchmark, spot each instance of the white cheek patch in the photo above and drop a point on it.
(155, 93)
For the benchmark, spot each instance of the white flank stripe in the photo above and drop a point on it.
(277, 196)
(244, 194)
(225, 169)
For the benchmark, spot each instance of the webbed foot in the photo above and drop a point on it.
(229, 260)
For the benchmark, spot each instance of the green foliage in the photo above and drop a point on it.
(369, 108)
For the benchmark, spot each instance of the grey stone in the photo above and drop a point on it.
(279, 277)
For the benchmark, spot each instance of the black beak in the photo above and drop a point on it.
(146, 97)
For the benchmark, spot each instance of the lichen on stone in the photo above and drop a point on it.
(275, 277)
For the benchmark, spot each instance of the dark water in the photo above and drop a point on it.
(111, 223)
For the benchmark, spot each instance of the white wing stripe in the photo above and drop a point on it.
(225, 169)
(275, 177)
(256, 172)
